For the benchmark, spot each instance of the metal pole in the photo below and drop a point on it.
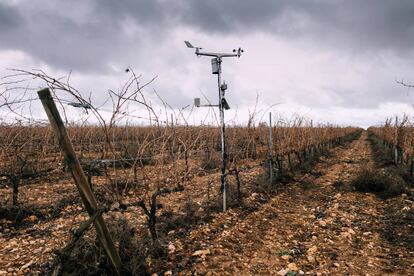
(270, 149)
(216, 64)
(223, 142)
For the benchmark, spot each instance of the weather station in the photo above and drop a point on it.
(216, 64)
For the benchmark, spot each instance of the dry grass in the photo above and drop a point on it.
(369, 180)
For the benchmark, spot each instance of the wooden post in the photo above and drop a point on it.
(270, 149)
(396, 142)
(290, 162)
(279, 160)
(79, 176)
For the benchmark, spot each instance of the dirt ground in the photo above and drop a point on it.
(315, 225)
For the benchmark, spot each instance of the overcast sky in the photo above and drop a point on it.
(330, 60)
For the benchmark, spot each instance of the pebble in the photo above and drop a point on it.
(27, 265)
(283, 272)
(293, 267)
(346, 235)
(312, 250)
(32, 218)
(171, 248)
(336, 265)
(311, 259)
(201, 253)
(285, 257)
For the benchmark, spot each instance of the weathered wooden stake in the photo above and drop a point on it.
(396, 142)
(79, 176)
(270, 149)
(290, 162)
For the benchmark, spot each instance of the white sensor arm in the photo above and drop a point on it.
(219, 55)
(236, 53)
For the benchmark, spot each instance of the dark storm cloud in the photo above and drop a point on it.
(9, 17)
(66, 38)
(88, 35)
(233, 16)
(344, 53)
(54, 39)
(143, 12)
(369, 24)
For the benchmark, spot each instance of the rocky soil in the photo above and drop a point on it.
(315, 225)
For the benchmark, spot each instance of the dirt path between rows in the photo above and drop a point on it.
(316, 226)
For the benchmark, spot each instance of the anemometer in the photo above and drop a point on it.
(222, 105)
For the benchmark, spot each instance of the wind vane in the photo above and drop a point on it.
(222, 105)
